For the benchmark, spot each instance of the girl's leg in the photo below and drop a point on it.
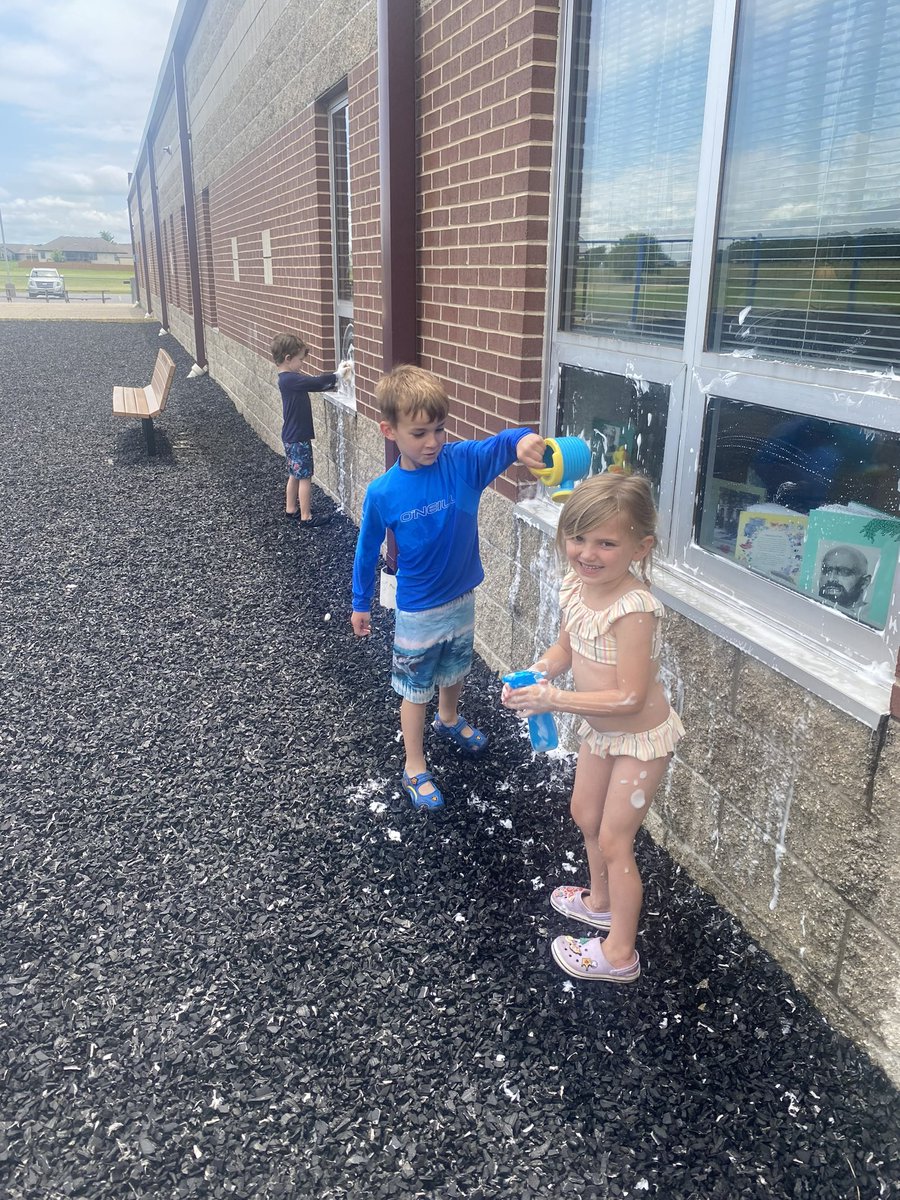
(632, 787)
(290, 495)
(304, 496)
(592, 775)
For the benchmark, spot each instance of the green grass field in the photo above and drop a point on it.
(79, 277)
(795, 286)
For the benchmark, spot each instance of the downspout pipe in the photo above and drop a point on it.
(190, 216)
(154, 208)
(134, 194)
(145, 260)
(397, 152)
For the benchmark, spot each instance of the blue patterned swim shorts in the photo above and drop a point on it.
(433, 648)
(299, 459)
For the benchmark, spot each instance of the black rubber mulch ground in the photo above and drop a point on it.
(234, 962)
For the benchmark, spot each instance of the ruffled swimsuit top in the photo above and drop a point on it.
(590, 631)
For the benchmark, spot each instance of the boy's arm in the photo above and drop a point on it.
(368, 546)
(319, 383)
(491, 457)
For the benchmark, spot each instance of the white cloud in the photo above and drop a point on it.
(91, 63)
(80, 74)
(42, 218)
(80, 177)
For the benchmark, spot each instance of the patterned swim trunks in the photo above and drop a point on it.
(299, 458)
(433, 648)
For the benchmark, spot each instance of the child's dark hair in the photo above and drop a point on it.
(408, 392)
(286, 345)
(602, 498)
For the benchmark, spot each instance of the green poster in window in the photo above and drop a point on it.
(849, 561)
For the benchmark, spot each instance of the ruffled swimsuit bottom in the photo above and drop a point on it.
(655, 743)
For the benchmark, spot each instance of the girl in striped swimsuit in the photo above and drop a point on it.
(610, 639)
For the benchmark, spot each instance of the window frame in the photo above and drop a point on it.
(343, 309)
(841, 660)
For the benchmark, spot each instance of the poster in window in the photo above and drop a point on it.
(770, 541)
(723, 503)
(850, 559)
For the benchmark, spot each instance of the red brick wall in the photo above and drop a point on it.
(486, 80)
(283, 187)
(365, 192)
(205, 255)
(183, 263)
(151, 251)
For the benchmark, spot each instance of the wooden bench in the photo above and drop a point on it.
(145, 403)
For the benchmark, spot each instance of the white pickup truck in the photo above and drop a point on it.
(46, 281)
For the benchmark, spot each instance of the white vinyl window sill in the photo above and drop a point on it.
(342, 399)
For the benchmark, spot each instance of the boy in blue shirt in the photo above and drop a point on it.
(289, 354)
(429, 498)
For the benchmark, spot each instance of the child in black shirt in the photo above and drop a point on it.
(297, 432)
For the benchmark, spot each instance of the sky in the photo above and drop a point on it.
(77, 80)
(814, 138)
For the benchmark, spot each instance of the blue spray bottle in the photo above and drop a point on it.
(541, 726)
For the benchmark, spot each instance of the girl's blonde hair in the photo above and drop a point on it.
(602, 498)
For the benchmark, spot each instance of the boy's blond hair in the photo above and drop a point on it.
(286, 345)
(408, 392)
(602, 498)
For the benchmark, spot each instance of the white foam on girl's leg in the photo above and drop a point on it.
(638, 798)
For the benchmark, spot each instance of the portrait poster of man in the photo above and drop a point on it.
(844, 573)
(849, 561)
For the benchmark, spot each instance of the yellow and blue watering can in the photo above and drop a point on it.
(566, 461)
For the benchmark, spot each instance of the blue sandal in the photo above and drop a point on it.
(412, 785)
(472, 743)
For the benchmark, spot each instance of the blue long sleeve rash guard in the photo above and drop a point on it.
(433, 512)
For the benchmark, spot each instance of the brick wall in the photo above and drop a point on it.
(365, 216)
(281, 187)
(486, 82)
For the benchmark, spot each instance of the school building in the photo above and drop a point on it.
(671, 229)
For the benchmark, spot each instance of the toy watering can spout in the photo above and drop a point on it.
(566, 461)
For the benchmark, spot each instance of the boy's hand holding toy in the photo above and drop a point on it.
(530, 451)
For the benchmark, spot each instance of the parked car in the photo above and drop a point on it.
(46, 281)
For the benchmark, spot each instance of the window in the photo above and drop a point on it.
(726, 311)
(622, 419)
(235, 262)
(808, 503)
(636, 117)
(808, 245)
(341, 243)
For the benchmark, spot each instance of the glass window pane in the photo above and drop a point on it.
(340, 203)
(636, 116)
(808, 249)
(811, 504)
(622, 419)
